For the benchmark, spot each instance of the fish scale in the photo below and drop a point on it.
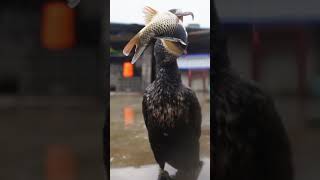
(162, 24)
(165, 25)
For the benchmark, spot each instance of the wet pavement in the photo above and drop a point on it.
(130, 153)
(51, 138)
(151, 171)
(39, 131)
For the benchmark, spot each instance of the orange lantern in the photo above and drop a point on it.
(128, 114)
(58, 26)
(128, 71)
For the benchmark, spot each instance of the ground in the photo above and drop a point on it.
(29, 127)
(130, 153)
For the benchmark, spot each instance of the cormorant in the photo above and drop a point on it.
(249, 141)
(172, 115)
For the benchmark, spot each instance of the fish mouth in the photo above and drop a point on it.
(181, 14)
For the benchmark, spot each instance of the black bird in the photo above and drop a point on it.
(249, 141)
(172, 115)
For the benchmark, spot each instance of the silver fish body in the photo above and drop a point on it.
(166, 26)
(163, 25)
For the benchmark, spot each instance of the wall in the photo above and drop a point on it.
(244, 10)
(28, 69)
(278, 68)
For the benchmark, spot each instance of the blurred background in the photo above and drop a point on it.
(277, 44)
(52, 80)
(130, 153)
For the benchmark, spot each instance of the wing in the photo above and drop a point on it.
(251, 142)
(152, 133)
(192, 131)
(273, 142)
(195, 113)
(144, 109)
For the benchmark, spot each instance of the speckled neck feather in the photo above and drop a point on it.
(167, 70)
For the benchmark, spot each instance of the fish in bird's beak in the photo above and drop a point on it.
(164, 25)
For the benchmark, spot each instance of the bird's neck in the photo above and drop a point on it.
(220, 70)
(220, 63)
(168, 73)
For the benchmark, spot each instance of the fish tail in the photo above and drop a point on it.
(133, 42)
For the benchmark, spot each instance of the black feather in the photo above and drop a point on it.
(250, 141)
(172, 115)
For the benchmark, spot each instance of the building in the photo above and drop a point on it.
(193, 65)
(275, 43)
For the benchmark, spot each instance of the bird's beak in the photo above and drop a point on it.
(181, 14)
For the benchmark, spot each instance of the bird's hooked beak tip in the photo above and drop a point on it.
(181, 14)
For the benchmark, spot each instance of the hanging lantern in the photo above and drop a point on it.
(128, 70)
(58, 26)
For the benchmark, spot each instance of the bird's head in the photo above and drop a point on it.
(180, 13)
(169, 48)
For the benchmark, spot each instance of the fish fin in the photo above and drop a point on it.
(133, 42)
(172, 39)
(172, 47)
(149, 14)
(138, 53)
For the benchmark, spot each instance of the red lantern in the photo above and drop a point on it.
(128, 71)
(58, 26)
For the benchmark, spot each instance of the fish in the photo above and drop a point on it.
(159, 25)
